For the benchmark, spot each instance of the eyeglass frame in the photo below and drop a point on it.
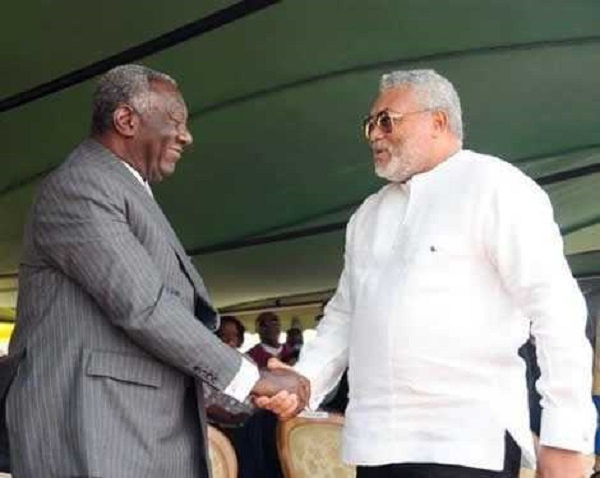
(372, 121)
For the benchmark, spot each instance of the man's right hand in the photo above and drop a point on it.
(283, 386)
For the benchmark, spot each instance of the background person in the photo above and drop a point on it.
(252, 432)
(268, 327)
(231, 331)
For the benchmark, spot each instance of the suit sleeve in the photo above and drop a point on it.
(81, 228)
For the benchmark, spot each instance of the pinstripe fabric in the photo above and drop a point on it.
(107, 315)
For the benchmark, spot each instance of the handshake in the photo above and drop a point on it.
(281, 390)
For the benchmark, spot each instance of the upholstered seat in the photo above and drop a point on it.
(309, 447)
(527, 473)
(589, 464)
(222, 455)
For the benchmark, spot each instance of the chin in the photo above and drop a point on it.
(165, 172)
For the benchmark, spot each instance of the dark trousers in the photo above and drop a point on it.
(256, 447)
(512, 464)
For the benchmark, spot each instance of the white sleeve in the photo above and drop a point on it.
(324, 359)
(525, 245)
(243, 382)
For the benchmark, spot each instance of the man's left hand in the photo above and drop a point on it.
(560, 463)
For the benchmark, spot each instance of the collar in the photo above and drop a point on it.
(138, 176)
(272, 350)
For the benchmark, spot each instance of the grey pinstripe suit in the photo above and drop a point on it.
(116, 327)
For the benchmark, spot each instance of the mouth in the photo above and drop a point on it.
(177, 151)
(380, 153)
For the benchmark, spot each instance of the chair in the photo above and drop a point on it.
(589, 463)
(309, 447)
(223, 461)
(526, 473)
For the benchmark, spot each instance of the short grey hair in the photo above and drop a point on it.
(130, 84)
(433, 92)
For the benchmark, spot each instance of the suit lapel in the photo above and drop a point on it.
(104, 158)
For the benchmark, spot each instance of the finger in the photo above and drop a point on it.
(304, 390)
(276, 402)
(261, 402)
(274, 364)
(284, 406)
(290, 408)
(269, 403)
(305, 384)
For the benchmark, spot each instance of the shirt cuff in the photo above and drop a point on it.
(317, 391)
(569, 430)
(243, 381)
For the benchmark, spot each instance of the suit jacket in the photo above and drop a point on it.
(118, 333)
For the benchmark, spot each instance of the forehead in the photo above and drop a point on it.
(229, 327)
(269, 320)
(166, 97)
(401, 99)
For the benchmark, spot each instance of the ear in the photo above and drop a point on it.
(440, 122)
(125, 120)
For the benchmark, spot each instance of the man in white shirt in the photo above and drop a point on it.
(448, 269)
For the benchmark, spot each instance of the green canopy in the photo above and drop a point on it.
(276, 92)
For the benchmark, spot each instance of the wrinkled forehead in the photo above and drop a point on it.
(401, 99)
(167, 97)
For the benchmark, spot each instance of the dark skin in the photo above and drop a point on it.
(152, 142)
(268, 382)
(294, 337)
(269, 329)
(229, 334)
(296, 388)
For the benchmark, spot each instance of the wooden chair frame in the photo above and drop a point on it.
(221, 446)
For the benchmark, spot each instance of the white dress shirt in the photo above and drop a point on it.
(444, 278)
(138, 176)
(242, 383)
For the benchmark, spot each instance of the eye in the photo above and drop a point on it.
(385, 122)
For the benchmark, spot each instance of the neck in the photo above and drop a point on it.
(271, 344)
(119, 147)
(442, 151)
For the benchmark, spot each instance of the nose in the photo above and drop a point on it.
(375, 134)
(184, 136)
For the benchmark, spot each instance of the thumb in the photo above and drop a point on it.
(275, 363)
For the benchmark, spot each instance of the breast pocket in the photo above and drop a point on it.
(440, 262)
(125, 368)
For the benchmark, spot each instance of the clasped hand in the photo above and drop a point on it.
(281, 390)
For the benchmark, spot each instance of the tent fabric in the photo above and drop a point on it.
(276, 95)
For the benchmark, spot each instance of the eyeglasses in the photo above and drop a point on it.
(384, 120)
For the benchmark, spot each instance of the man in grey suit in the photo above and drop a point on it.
(114, 324)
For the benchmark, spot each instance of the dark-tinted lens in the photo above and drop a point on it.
(385, 122)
